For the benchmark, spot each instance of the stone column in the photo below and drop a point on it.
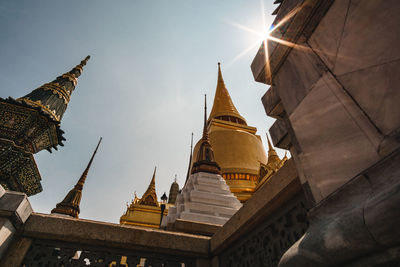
(14, 211)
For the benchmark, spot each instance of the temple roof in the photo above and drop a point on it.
(223, 107)
(52, 98)
(149, 198)
(70, 204)
(205, 161)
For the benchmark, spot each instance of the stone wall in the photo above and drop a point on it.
(335, 93)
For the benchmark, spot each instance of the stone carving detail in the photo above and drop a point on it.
(265, 245)
(50, 253)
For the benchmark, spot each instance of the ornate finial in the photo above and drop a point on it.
(273, 158)
(205, 133)
(70, 204)
(220, 79)
(52, 98)
(150, 197)
(191, 144)
(223, 107)
(84, 174)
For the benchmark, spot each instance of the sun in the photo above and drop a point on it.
(265, 35)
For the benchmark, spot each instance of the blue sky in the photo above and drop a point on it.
(142, 90)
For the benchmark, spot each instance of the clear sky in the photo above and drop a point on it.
(142, 90)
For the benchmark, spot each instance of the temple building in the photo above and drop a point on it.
(237, 149)
(146, 211)
(206, 197)
(30, 124)
(70, 205)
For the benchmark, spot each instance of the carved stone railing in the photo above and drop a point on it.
(272, 220)
(48, 240)
(257, 235)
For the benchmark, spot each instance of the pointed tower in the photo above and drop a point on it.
(52, 98)
(223, 107)
(205, 198)
(273, 158)
(70, 205)
(205, 161)
(273, 165)
(29, 125)
(146, 211)
(173, 192)
(237, 148)
(149, 198)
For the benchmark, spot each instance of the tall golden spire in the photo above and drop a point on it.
(205, 161)
(223, 107)
(70, 204)
(150, 197)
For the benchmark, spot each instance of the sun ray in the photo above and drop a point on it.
(244, 52)
(265, 36)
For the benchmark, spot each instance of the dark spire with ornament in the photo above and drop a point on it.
(70, 204)
(52, 98)
(205, 161)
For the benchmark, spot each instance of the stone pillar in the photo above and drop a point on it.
(14, 211)
(335, 93)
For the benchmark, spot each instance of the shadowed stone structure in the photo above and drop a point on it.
(334, 92)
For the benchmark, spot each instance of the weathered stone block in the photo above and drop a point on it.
(2, 191)
(376, 90)
(279, 134)
(272, 103)
(7, 231)
(16, 206)
(326, 38)
(336, 140)
(301, 70)
(370, 37)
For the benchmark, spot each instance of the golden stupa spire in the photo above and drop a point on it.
(70, 204)
(205, 161)
(223, 107)
(273, 157)
(149, 198)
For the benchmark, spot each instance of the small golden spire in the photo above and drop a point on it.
(149, 198)
(273, 158)
(70, 204)
(223, 105)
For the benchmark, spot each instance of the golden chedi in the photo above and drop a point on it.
(237, 149)
(145, 211)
